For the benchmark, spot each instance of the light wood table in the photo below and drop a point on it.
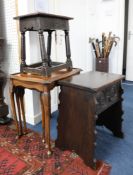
(18, 83)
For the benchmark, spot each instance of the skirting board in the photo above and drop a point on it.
(37, 118)
(33, 120)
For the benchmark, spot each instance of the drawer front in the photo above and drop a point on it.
(106, 97)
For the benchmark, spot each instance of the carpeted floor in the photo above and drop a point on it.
(117, 152)
(28, 156)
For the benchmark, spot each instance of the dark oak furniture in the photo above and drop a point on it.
(19, 82)
(48, 23)
(3, 106)
(86, 100)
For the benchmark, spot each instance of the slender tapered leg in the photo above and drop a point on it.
(46, 105)
(43, 117)
(23, 109)
(13, 109)
(19, 111)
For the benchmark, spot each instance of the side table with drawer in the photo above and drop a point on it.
(86, 100)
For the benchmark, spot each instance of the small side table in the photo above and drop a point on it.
(20, 81)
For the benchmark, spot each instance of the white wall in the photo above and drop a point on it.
(81, 56)
(109, 16)
(91, 18)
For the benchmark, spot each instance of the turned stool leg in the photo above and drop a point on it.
(68, 51)
(23, 52)
(44, 55)
(49, 42)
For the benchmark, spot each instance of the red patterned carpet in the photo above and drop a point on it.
(28, 156)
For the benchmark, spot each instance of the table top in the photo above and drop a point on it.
(41, 14)
(92, 81)
(55, 76)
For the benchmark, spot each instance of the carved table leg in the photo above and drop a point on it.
(45, 97)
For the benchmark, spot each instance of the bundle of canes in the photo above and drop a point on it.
(103, 48)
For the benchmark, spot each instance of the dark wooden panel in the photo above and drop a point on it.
(74, 115)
